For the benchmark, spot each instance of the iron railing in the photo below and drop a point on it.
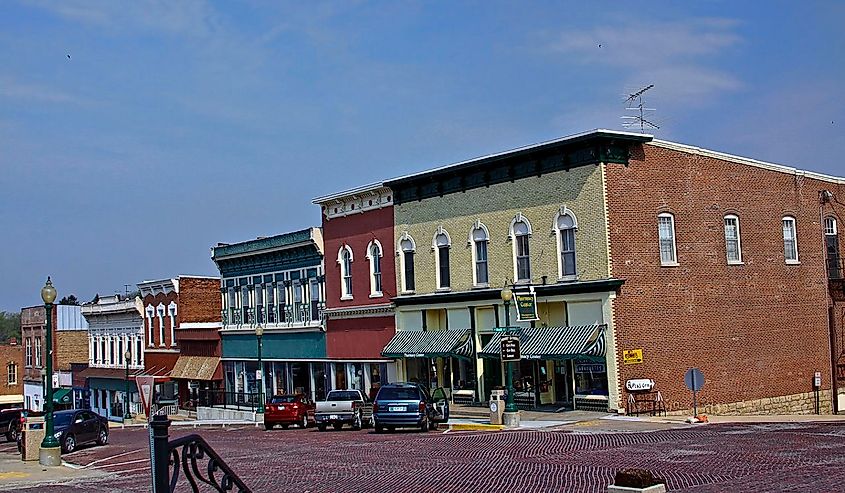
(169, 462)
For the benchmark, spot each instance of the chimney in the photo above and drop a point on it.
(13, 341)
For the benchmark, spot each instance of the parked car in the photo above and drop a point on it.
(10, 423)
(344, 407)
(288, 410)
(76, 427)
(409, 405)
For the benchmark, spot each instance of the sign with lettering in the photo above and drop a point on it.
(510, 348)
(632, 356)
(639, 384)
(526, 306)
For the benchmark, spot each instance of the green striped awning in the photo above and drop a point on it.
(430, 344)
(555, 343)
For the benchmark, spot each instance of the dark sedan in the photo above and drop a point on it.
(78, 427)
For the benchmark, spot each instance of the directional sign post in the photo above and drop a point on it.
(694, 380)
(510, 348)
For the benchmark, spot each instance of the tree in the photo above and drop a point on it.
(10, 326)
(69, 300)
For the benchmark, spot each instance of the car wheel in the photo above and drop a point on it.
(356, 424)
(69, 444)
(12, 434)
(304, 423)
(424, 426)
(103, 437)
(321, 427)
(337, 426)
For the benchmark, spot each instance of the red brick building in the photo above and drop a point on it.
(724, 266)
(360, 282)
(11, 374)
(182, 343)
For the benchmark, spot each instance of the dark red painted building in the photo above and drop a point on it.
(360, 282)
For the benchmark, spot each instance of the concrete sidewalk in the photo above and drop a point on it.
(15, 473)
(759, 418)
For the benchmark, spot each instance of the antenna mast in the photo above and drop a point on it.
(634, 102)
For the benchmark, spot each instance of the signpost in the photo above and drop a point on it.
(510, 348)
(694, 380)
(526, 306)
(146, 388)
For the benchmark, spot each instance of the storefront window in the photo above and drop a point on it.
(320, 380)
(590, 378)
(356, 375)
(301, 377)
(280, 378)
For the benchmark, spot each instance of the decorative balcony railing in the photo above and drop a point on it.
(289, 315)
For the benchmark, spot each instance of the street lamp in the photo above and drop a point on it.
(50, 453)
(259, 331)
(126, 414)
(511, 411)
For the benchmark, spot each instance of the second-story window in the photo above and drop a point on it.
(259, 303)
(271, 303)
(565, 226)
(407, 247)
(520, 235)
(666, 234)
(150, 310)
(732, 240)
(247, 319)
(171, 310)
(38, 352)
(344, 258)
(315, 300)
(790, 240)
(139, 352)
(374, 255)
(479, 240)
(160, 313)
(94, 351)
(12, 371)
(283, 316)
(441, 245)
(29, 352)
(831, 243)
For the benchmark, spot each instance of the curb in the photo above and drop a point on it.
(469, 427)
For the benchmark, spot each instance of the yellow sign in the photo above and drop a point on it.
(632, 356)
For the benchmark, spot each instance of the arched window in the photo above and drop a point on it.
(565, 226)
(374, 254)
(441, 245)
(790, 242)
(520, 235)
(344, 258)
(406, 249)
(666, 233)
(733, 246)
(12, 370)
(478, 240)
(831, 243)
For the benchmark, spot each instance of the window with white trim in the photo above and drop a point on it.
(344, 258)
(150, 310)
(37, 351)
(160, 313)
(565, 226)
(12, 373)
(830, 226)
(171, 309)
(407, 248)
(245, 305)
(374, 253)
(790, 240)
(441, 245)
(666, 234)
(479, 240)
(29, 352)
(521, 234)
(733, 247)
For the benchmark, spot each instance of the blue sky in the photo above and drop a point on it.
(175, 125)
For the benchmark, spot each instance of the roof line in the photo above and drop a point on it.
(781, 168)
(346, 193)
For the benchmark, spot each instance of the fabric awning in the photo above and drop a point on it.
(430, 344)
(555, 343)
(195, 367)
(62, 396)
(11, 399)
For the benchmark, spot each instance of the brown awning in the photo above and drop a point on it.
(195, 367)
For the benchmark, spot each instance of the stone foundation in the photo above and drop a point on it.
(785, 404)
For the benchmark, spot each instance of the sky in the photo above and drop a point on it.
(136, 135)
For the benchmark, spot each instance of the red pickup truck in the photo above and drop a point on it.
(288, 410)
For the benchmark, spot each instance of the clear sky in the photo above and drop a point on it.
(136, 135)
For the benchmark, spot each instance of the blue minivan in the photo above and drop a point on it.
(408, 405)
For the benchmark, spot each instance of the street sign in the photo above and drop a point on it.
(632, 356)
(505, 329)
(639, 384)
(146, 387)
(817, 380)
(526, 306)
(694, 379)
(510, 348)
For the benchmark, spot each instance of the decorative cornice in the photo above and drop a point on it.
(355, 201)
(360, 311)
(277, 242)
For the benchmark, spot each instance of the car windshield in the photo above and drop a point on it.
(283, 399)
(343, 395)
(399, 394)
(62, 419)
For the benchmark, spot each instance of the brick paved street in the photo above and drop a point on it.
(728, 457)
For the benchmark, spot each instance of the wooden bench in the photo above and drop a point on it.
(642, 402)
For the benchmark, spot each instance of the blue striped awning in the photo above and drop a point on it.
(430, 344)
(555, 343)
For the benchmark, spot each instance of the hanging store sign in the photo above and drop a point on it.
(510, 348)
(526, 306)
(632, 356)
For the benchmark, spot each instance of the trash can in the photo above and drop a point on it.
(497, 406)
(33, 435)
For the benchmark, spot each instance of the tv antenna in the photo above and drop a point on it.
(634, 102)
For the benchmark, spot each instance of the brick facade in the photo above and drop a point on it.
(199, 299)
(11, 369)
(71, 347)
(758, 330)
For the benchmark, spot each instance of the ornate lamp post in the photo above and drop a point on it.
(511, 415)
(50, 453)
(259, 331)
(126, 414)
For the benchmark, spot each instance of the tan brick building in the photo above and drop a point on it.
(11, 375)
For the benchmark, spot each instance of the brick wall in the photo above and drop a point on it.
(71, 347)
(538, 199)
(199, 300)
(11, 354)
(757, 330)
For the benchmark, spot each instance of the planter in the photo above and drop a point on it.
(658, 488)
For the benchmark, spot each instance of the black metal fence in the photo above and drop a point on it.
(221, 398)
